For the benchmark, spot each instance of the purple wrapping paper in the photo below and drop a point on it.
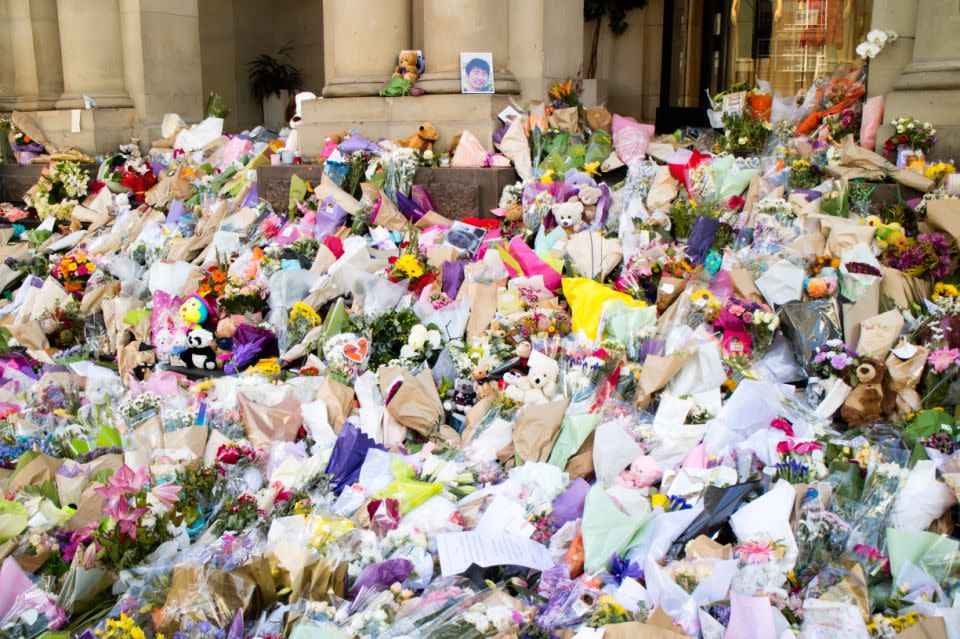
(809, 194)
(409, 208)
(452, 278)
(330, 216)
(381, 576)
(568, 506)
(347, 457)
(251, 343)
(174, 213)
(30, 147)
(603, 207)
(701, 237)
(499, 133)
(422, 199)
(252, 198)
(356, 143)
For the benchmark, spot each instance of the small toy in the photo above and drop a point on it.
(409, 66)
(540, 383)
(199, 352)
(423, 140)
(194, 310)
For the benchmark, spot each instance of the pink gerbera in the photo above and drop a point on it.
(943, 358)
(756, 552)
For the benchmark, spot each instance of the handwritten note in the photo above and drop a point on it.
(458, 550)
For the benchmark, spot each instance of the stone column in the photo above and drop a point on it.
(32, 51)
(361, 40)
(92, 53)
(545, 43)
(929, 86)
(447, 27)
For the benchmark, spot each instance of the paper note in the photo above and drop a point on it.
(460, 549)
(74, 120)
(504, 516)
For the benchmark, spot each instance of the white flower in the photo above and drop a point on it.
(428, 154)
(418, 337)
(877, 36)
(910, 126)
(434, 338)
(743, 139)
(408, 352)
(900, 129)
(502, 618)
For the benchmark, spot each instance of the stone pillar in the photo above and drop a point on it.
(92, 53)
(161, 55)
(361, 40)
(545, 43)
(32, 49)
(447, 27)
(929, 86)
(899, 16)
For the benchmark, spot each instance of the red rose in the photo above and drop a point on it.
(903, 138)
(228, 454)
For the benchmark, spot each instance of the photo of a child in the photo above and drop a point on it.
(476, 72)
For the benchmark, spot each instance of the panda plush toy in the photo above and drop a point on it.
(200, 353)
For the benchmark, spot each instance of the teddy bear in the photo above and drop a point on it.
(589, 196)
(178, 347)
(568, 214)
(540, 383)
(409, 66)
(294, 118)
(226, 328)
(101, 391)
(871, 399)
(199, 353)
(423, 140)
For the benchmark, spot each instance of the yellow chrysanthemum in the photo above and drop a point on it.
(660, 500)
(409, 266)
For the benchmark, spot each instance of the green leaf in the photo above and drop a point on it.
(135, 316)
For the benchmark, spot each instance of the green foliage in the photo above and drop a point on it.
(269, 75)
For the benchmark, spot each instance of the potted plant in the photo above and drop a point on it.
(273, 81)
(616, 13)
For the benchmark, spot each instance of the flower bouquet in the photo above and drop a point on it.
(746, 326)
(910, 135)
(60, 188)
(73, 270)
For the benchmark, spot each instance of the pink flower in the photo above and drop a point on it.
(782, 425)
(943, 358)
(125, 517)
(166, 494)
(123, 482)
(799, 448)
(736, 309)
(756, 552)
(747, 317)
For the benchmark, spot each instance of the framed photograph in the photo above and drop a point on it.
(476, 72)
(465, 237)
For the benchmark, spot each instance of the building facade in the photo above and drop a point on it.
(136, 60)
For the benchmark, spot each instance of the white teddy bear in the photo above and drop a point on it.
(539, 385)
(568, 214)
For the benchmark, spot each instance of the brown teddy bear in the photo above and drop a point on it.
(407, 66)
(422, 140)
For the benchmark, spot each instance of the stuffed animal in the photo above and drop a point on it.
(568, 214)
(101, 391)
(868, 402)
(295, 117)
(194, 310)
(540, 383)
(409, 66)
(199, 353)
(589, 196)
(178, 348)
(422, 140)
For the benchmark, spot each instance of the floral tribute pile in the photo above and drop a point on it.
(671, 387)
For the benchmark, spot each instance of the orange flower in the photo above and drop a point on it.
(219, 276)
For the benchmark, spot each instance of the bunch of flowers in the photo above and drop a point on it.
(704, 307)
(387, 334)
(36, 265)
(804, 175)
(136, 409)
(244, 297)
(137, 176)
(73, 270)
(136, 518)
(609, 611)
(931, 254)
(876, 41)
(422, 344)
(798, 460)
(238, 514)
(214, 281)
(835, 359)
(411, 264)
(302, 319)
(123, 627)
(743, 133)
(565, 94)
(910, 133)
(60, 188)
(746, 326)
(938, 171)
(63, 325)
(689, 573)
(845, 123)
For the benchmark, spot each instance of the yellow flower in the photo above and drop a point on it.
(592, 168)
(409, 265)
(660, 500)
(942, 292)
(304, 310)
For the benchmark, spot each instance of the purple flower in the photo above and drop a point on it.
(621, 569)
(839, 362)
